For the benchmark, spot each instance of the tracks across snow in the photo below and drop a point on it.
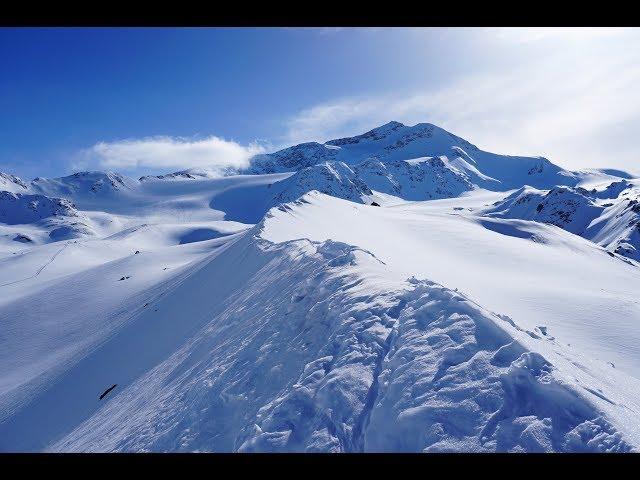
(40, 269)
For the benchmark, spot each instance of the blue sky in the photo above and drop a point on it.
(156, 100)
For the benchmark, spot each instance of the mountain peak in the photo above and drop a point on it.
(390, 125)
(378, 133)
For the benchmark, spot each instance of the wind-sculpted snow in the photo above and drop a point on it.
(320, 307)
(318, 352)
(454, 380)
(432, 373)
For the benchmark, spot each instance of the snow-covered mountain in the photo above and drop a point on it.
(11, 183)
(418, 179)
(23, 208)
(400, 290)
(332, 178)
(83, 184)
(395, 141)
(191, 174)
(58, 217)
(609, 216)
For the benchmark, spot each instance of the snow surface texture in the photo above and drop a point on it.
(401, 290)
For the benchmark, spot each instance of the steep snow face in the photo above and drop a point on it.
(331, 178)
(421, 178)
(17, 208)
(618, 228)
(417, 179)
(293, 158)
(563, 207)
(395, 141)
(11, 183)
(613, 189)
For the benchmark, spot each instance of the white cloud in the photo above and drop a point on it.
(565, 103)
(535, 34)
(162, 152)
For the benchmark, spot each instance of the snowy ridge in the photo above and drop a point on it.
(84, 183)
(608, 216)
(331, 178)
(11, 183)
(78, 184)
(313, 356)
(561, 206)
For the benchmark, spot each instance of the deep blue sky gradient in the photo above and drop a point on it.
(65, 89)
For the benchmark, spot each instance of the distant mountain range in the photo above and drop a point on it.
(420, 162)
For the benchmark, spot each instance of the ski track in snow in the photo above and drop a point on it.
(40, 270)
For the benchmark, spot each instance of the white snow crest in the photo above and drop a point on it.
(313, 356)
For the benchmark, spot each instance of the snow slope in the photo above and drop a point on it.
(11, 183)
(400, 290)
